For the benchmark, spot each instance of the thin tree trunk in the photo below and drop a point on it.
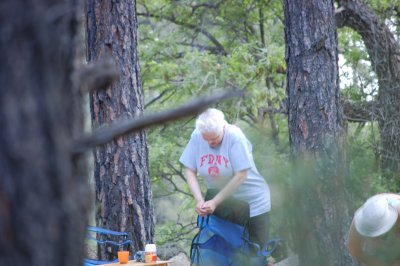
(274, 127)
(43, 187)
(316, 133)
(123, 194)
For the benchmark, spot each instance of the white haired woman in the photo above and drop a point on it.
(374, 236)
(221, 154)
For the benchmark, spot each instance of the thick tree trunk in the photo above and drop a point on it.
(384, 53)
(316, 133)
(43, 187)
(123, 194)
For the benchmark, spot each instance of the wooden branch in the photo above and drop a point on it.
(157, 97)
(175, 186)
(211, 49)
(210, 5)
(271, 110)
(353, 111)
(360, 111)
(382, 47)
(96, 75)
(105, 134)
(218, 45)
(177, 172)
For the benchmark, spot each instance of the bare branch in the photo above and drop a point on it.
(381, 45)
(175, 186)
(211, 49)
(96, 75)
(361, 111)
(177, 172)
(207, 5)
(157, 98)
(271, 110)
(218, 45)
(353, 111)
(120, 128)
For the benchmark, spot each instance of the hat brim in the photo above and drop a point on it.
(390, 221)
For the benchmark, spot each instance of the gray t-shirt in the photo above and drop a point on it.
(218, 165)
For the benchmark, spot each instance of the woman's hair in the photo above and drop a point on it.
(211, 121)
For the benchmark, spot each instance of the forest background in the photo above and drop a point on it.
(190, 48)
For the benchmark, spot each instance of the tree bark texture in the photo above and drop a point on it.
(123, 193)
(384, 53)
(43, 187)
(316, 133)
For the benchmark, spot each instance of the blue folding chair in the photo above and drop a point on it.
(222, 243)
(108, 241)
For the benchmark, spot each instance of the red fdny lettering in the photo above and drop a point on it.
(212, 159)
(202, 159)
(226, 161)
(218, 160)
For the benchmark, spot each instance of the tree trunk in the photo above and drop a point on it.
(43, 187)
(384, 53)
(316, 133)
(123, 194)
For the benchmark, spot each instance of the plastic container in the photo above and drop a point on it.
(123, 257)
(150, 253)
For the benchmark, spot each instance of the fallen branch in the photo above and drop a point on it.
(105, 134)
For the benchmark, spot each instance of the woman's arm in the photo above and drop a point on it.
(355, 241)
(191, 178)
(210, 205)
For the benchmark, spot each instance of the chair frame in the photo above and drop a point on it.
(105, 235)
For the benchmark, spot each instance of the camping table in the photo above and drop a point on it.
(135, 263)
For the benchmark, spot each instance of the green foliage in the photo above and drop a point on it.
(385, 9)
(358, 80)
(179, 230)
(365, 176)
(273, 163)
(192, 48)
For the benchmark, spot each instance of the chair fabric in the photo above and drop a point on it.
(107, 241)
(222, 243)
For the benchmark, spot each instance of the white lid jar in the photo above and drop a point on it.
(150, 253)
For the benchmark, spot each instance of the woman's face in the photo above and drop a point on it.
(213, 139)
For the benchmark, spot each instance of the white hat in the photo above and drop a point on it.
(375, 217)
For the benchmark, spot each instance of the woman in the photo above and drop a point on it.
(222, 155)
(374, 236)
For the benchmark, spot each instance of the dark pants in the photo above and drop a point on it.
(259, 229)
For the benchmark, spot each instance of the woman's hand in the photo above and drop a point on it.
(199, 208)
(209, 206)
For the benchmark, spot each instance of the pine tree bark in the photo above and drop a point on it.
(43, 187)
(316, 133)
(384, 53)
(121, 172)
